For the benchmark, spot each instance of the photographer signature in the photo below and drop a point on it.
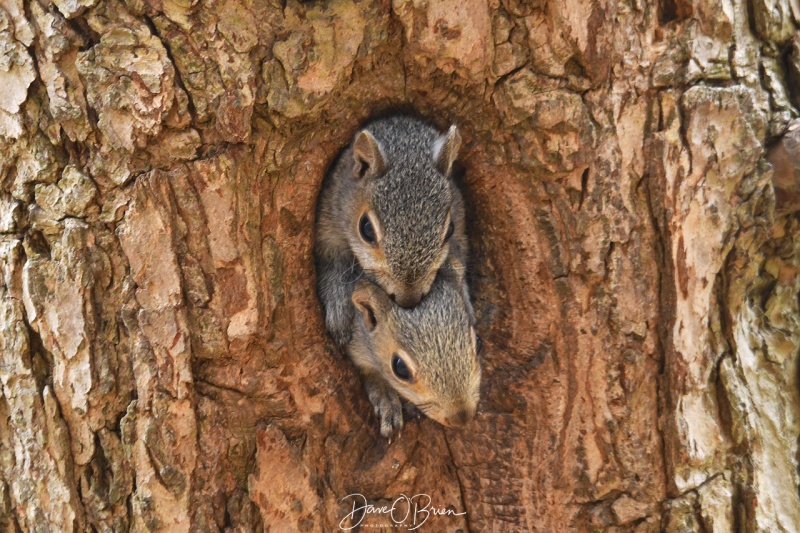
(410, 511)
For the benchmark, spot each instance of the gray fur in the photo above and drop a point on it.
(411, 199)
(437, 334)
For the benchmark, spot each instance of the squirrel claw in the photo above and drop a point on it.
(391, 418)
(389, 411)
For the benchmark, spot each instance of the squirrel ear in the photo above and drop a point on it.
(372, 302)
(445, 150)
(368, 156)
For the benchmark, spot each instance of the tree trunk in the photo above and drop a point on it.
(164, 362)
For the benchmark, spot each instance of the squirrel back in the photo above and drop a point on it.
(389, 204)
(427, 355)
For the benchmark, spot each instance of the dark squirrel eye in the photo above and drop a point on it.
(400, 368)
(478, 343)
(449, 233)
(366, 230)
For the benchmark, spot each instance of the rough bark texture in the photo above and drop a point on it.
(163, 360)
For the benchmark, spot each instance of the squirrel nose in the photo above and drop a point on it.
(407, 299)
(460, 418)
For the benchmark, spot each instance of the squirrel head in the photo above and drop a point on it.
(402, 216)
(428, 354)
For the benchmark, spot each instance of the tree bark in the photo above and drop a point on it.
(164, 363)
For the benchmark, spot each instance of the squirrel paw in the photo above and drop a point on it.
(388, 409)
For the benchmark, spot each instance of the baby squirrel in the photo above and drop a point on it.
(427, 354)
(389, 208)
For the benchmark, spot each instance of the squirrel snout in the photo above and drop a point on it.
(460, 418)
(406, 299)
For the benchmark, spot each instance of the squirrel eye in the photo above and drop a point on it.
(400, 368)
(478, 344)
(449, 233)
(366, 230)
